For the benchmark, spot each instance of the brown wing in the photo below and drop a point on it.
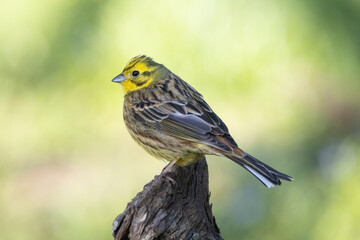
(177, 109)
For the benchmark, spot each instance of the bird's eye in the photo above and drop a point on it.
(135, 73)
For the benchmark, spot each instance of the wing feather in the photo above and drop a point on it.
(180, 116)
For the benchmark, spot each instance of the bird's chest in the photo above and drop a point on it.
(135, 127)
(129, 119)
(148, 137)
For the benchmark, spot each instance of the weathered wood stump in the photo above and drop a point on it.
(168, 210)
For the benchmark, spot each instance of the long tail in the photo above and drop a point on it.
(266, 174)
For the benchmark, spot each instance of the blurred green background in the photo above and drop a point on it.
(283, 75)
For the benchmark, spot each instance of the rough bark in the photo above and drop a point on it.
(168, 210)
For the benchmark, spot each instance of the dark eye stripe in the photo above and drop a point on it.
(141, 83)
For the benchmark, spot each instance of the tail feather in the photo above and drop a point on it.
(266, 174)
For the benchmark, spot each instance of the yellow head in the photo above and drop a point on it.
(140, 72)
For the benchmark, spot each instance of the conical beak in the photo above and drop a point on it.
(119, 78)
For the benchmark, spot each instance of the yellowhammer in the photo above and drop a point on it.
(171, 120)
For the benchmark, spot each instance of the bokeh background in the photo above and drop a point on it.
(283, 75)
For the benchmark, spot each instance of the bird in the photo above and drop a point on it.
(171, 120)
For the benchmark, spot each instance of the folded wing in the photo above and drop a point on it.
(193, 121)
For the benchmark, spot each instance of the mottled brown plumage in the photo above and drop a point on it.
(171, 120)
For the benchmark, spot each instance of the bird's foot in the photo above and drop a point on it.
(170, 179)
(165, 175)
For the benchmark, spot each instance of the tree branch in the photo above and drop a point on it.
(167, 210)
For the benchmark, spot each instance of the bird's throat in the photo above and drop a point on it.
(130, 86)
